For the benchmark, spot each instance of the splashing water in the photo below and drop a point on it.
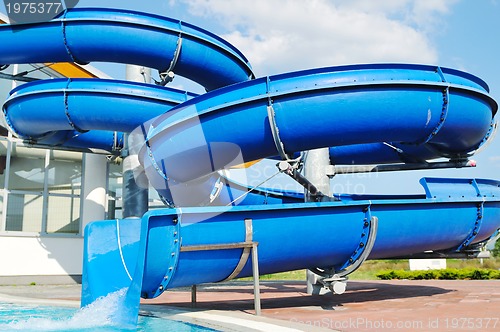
(97, 316)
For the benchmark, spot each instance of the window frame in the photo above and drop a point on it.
(45, 193)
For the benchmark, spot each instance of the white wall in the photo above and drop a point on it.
(33, 256)
(30, 256)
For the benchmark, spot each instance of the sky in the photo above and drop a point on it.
(287, 35)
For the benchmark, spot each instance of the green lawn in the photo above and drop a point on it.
(370, 269)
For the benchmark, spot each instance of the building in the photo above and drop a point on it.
(47, 197)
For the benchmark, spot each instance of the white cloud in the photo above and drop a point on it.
(286, 35)
(430, 15)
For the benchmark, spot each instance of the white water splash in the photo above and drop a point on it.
(97, 315)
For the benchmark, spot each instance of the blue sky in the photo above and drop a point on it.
(288, 35)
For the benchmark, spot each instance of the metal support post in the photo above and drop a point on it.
(316, 163)
(135, 184)
(256, 285)
(193, 296)
(334, 170)
(249, 248)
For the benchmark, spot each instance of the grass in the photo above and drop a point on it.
(290, 275)
(490, 263)
(456, 269)
(443, 274)
(370, 269)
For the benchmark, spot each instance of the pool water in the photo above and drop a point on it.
(98, 316)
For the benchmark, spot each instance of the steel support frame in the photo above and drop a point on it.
(249, 248)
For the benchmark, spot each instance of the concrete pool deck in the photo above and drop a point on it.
(398, 305)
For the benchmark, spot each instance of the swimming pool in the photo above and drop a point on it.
(36, 318)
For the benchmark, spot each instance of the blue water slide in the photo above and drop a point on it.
(383, 153)
(378, 113)
(84, 110)
(84, 35)
(84, 105)
(427, 132)
(108, 35)
(186, 246)
(449, 112)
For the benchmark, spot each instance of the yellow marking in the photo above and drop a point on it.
(71, 70)
(248, 164)
(68, 69)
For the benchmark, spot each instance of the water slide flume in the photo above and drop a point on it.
(420, 107)
(87, 35)
(291, 236)
(417, 112)
(443, 112)
(96, 111)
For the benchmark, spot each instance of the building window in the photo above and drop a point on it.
(24, 212)
(40, 189)
(63, 214)
(115, 193)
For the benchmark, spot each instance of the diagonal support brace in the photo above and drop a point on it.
(291, 170)
(168, 75)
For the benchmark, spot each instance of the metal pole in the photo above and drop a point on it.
(256, 285)
(400, 167)
(135, 184)
(193, 296)
(315, 166)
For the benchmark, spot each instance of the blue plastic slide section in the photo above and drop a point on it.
(115, 245)
(219, 190)
(452, 215)
(84, 35)
(235, 193)
(420, 112)
(383, 153)
(96, 141)
(391, 152)
(81, 105)
(449, 111)
(83, 111)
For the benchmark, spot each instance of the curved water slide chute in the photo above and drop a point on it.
(89, 35)
(363, 96)
(433, 111)
(365, 113)
(86, 35)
